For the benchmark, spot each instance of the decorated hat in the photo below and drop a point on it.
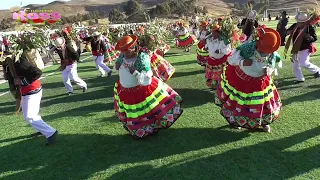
(252, 14)
(180, 23)
(302, 17)
(96, 33)
(126, 42)
(215, 27)
(204, 23)
(269, 40)
(59, 41)
(140, 28)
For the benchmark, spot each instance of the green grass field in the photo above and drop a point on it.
(93, 144)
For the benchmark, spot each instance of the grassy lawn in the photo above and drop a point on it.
(93, 145)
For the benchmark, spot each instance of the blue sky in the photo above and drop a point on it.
(7, 4)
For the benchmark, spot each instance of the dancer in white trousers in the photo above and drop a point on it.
(27, 77)
(98, 50)
(69, 58)
(303, 36)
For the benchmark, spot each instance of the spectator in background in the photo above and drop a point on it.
(282, 27)
(6, 44)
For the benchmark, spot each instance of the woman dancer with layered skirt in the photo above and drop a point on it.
(143, 103)
(202, 53)
(161, 68)
(246, 93)
(184, 39)
(219, 51)
(111, 53)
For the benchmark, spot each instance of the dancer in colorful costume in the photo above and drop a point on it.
(249, 24)
(149, 43)
(143, 103)
(302, 36)
(183, 38)
(111, 53)
(26, 76)
(219, 51)
(246, 93)
(98, 52)
(69, 58)
(202, 53)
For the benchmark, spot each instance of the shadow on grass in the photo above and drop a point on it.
(260, 161)
(310, 96)
(91, 82)
(5, 89)
(185, 63)
(289, 81)
(195, 97)
(79, 156)
(78, 97)
(83, 111)
(188, 73)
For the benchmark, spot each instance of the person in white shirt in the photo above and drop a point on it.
(219, 51)
(246, 92)
(143, 103)
(202, 53)
(183, 38)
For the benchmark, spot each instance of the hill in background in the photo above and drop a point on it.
(215, 7)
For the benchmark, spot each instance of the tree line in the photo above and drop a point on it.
(165, 9)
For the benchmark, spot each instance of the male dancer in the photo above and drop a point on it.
(69, 58)
(98, 52)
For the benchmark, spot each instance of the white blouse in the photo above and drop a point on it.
(216, 44)
(202, 35)
(183, 31)
(255, 70)
(129, 80)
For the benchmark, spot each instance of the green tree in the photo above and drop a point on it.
(80, 17)
(131, 7)
(86, 16)
(115, 16)
(237, 5)
(163, 9)
(205, 10)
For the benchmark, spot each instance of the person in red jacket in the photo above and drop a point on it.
(26, 75)
(98, 52)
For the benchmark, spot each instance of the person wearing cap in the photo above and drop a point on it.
(302, 36)
(98, 52)
(184, 39)
(143, 103)
(219, 51)
(202, 53)
(26, 76)
(246, 93)
(282, 27)
(248, 25)
(69, 58)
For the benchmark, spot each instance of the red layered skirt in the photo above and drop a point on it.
(247, 101)
(111, 53)
(186, 41)
(214, 68)
(143, 110)
(161, 68)
(202, 54)
(163, 51)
